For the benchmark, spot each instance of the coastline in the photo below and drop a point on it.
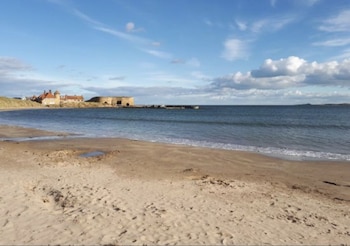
(14, 132)
(277, 146)
(136, 192)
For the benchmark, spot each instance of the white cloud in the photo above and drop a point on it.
(193, 62)
(157, 53)
(118, 78)
(234, 49)
(270, 68)
(199, 75)
(10, 65)
(345, 54)
(122, 35)
(208, 23)
(175, 94)
(17, 79)
(137, 40)
(271, 24)
(338, 23)
(334, 42)
(286, 73)
(101, 27)
(268, 24)
(157, 44)
(257, 26)
(241, 25)
(86, 18)
(308, 3)
(129, 27)
(178, 61)
(20, 79)
(284, 81)
(245, 81)
(163, 78)
(329, 73)
(273, 3)
(151, 94)
(215, 24)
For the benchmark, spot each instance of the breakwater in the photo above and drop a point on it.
(170, 106)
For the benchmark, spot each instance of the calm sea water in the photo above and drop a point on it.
(292, 132)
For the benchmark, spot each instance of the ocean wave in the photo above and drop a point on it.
(283, 153)
(284, 132)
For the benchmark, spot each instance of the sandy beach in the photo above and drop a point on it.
(124, 192)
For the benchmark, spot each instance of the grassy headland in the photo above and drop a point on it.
(6, 102)
(12, 103)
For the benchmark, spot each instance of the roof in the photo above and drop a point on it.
(46, 95)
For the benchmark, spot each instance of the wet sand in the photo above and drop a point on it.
(118, 191)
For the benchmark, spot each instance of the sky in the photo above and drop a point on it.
(222, 52)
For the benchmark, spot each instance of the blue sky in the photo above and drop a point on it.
(178, 51)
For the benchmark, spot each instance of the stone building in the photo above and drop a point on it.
(69, 99)
(47, 98)
(114, 101)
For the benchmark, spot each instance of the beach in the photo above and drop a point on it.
(115, 191)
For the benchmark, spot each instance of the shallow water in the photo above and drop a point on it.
(293, 132)
(92, 154)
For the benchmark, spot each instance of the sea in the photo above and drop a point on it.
(302, 132)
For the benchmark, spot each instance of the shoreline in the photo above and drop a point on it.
(42, 139)
(15, 132)
(274, 152)
(135, 192)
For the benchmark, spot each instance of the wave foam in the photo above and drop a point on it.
(283, 153)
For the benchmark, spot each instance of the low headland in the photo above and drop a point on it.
(14, 103)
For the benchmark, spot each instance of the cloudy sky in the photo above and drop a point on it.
(178, 52)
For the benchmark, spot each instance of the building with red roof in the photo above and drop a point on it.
(49, 98)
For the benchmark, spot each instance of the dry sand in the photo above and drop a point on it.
(149, 193)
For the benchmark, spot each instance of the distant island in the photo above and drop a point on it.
(325, 104)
